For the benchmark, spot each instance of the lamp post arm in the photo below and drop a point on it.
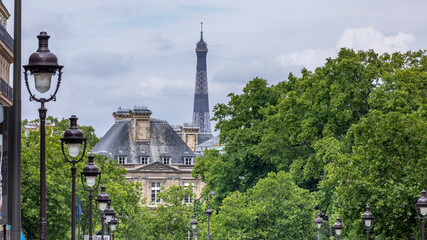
(32, 96)
(81, 157)
(194, 204)
(53, 96)
(91, 189)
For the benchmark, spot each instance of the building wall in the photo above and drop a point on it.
(166, 175)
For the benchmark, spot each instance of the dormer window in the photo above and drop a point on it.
(122, 159)
(188, 161)
(166, 160)
(143, 160)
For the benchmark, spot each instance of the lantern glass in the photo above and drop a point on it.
(338, 232)
(368, 223)
(194, 226)
(319, 225)
(113, 227)
(90, 180)
(74, 149)
(42, 81)
(423, 210)
(108, 218)
(102, 206)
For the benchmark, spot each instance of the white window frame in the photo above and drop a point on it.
(188, 161)
(122, 159)
(188, 199)
(143, 160)
(155, 190)
(166, 160)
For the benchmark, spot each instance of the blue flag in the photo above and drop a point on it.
(79, 209)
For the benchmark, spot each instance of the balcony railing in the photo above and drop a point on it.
(6, 89)
(4, 35)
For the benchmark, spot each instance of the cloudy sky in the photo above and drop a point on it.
(139, 52)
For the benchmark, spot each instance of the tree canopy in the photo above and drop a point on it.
(352, 132)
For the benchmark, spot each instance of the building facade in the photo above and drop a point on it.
(6, 97)
(151, 151)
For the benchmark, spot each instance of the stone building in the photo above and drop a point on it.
(6, 58)
(6, 96)
(151, 150)
(155, 153)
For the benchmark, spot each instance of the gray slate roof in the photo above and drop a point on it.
(164, 141)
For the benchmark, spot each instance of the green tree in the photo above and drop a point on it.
(383, 165)
(64, 124)
(168, 221)
(275, 208)
(283, 127)
(240, 122)
(126, 196)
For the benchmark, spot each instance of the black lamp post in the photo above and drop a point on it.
(193, 221)
(73, 138)
(367, 221)
(338, 228)
(422, 211)
(209, 210)
(43, 65)
(193, 224)
(318, 223)
(90, 172)
(114, 224)
(103, 199)
(109, 214)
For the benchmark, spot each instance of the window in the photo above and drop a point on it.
(188, 160)
(143, 160)
(188, 198)
(190, 235)
(166, 160)
(155, 189)
(122, 159)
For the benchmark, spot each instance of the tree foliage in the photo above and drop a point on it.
(352, 132)
(126, 197)
(275, 208)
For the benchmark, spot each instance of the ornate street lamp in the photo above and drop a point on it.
(43, 65)
(318, 223)
(193, 221)
(367, 221)
(338, 228)
(422, 211)
(73, 138)
(209, 210)
(103, 199)
(90, 172)
(114, 224)
(109, 214)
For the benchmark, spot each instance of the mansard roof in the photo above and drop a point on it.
(164, 141)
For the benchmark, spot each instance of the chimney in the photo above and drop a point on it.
(121, 113)
(190, 134)
(140, 123)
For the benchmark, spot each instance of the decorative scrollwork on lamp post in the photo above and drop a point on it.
(43, 65)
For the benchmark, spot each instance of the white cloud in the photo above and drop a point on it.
(160, 42)
(309, 58)
(356, 38)
(369, 38)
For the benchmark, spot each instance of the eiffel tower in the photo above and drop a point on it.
(201, 100)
